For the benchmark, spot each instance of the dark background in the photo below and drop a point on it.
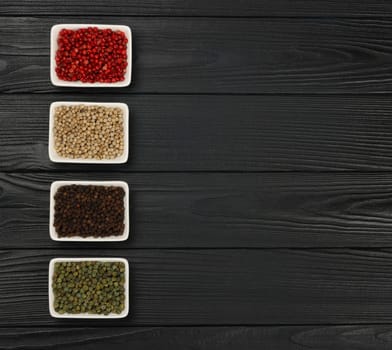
(260, 175)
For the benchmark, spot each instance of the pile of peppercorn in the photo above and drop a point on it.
(91, 55)
(89, 287)
(96, 211)
(88, 132)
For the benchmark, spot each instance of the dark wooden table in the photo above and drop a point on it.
(260, 173)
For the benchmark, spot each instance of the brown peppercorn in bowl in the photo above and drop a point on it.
(94, 301)
(89, 211)
(88, 132)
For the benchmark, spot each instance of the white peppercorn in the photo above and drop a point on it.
(88, 132)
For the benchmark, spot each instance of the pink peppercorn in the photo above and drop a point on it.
(91, 55)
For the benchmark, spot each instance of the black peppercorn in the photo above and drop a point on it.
(86, 211)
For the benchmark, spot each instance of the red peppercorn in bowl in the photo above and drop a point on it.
(91, 55)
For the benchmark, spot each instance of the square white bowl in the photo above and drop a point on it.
(55, 314)
(52, 230)
(54, 33)
(56, 158)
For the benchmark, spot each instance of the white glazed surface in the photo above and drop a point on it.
(53, 49)
(55, 314)
(52, 230)
(56, 158)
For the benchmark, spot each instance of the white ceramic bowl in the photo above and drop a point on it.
(55, 157)
(57, 184)
(53, 49)
(55, 314)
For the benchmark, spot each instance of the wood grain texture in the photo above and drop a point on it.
(249, 8)
(217, 287)
(369, 337)
(212, 55)
(218, 210)
(217, 133)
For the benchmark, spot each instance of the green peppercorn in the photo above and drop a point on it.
(89, 286)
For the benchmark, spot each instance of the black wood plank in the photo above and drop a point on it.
(369, 337)
(217, 133)
(218, 210)
(218, 287)
(210, 55)
(247, 8)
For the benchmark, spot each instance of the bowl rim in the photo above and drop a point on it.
(56, 158)
(52, 231)
(55, 314)
(53, 48)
